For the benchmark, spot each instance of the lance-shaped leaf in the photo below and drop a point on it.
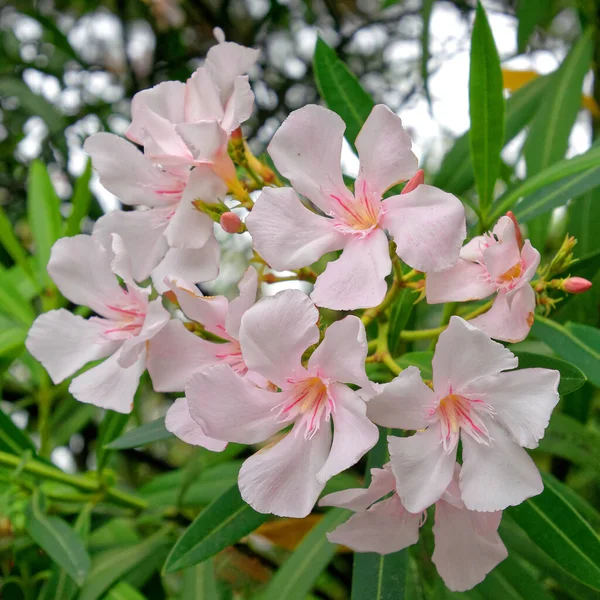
(154, 431)
(571, 377)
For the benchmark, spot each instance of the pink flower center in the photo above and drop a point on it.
(455, 413)
(127, 323)
(232, 356)
(359, 214)
(307, 402)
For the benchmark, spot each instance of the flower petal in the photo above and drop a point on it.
(174, 354)
(239, 106)
(428, 226)
(402, 403)
(464, 281)
(422, 467)
(280, 479)
(230, 408)
(531, 260)
(109, 385)
(275, 333)
(288, 235)
(505, 254)
(467, 545)
(204, 139)
(180, 422)
(342, 353)
(511, 316)
(353, 434)
(248, 287)
(226, 61)
(202, 99)
(523, 401)
(64, 342)
(464, 354)
(307, 150)
(384, 150)
(357, 278)
(385, 528)
(499, 475)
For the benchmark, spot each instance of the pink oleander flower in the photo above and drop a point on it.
(176, 353)
(494, 263)
(286, 477)
(190, 123)
(467, 544)
(494, 412)
(169, 236)
(86, 273)
(427, 224)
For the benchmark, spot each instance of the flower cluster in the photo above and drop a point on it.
(279, 373)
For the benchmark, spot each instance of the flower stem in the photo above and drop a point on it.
(373, 313)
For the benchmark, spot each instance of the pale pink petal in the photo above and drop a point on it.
(230, 408)
(156, 318)
(473, 249)
(189, 227)
(357, 278)
(280, 479)
(248, 287)
(64, 342)
(109, 385)
(342, 353)
(428, 226)
(204, 139)
(402, 403)
(497, 475)
(464, 281)
(275, 333)
(174, 354)
(80, 267)
(307, 150)
(523, 401)
(196, 265)
(511, 316)
(359, 499)
(464, 354)
(422, 467)
(385, 528)
(226, 61)
(239, 106)
(531, 260)
(180, 422)
(353, 434)
(467, 545)
(130, 175)
(202, 100)
(287, 234)
(141, 232)
(384, 150)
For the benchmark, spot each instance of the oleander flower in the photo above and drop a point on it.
(495, 412)
(427, 224)
(286, 477)
(494, 263)
(86, 273)
(467, 544)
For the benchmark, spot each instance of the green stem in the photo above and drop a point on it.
(41, 469)
(44, 404)
(373, 313)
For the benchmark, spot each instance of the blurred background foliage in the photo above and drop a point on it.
(69, 69)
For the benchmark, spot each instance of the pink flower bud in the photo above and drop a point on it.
(518, 233)
(231, 223)
(576, 285)
(415, 181)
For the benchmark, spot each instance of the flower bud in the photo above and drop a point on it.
(576, 285)
(231, 223)
(415, 181)
(564, 257)
(519, 235)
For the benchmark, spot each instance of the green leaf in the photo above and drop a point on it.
(421, 360)
(486, 108)
(115, 565)
(111, 427)
(530, 13)
(221, 524)
(455, 174)
(141, 436)
(43, 211)
(568, 438)
(81, 200)
(571, 377)
(557, 194)
(296, 577)
(558, 529)
(569, 344)
(12, 439)
(13, 246)
(12, 303)
(124, 591)
(379, 577)
(199, 582)
(12, 339)
(58, 540)
(341, 90)
(399, 315)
